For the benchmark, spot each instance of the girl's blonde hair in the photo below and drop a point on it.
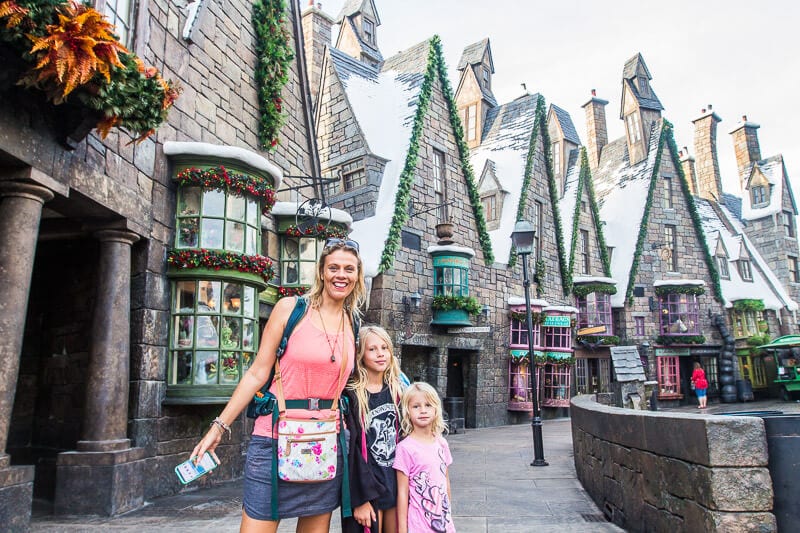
(438, 426)
(356, 298)
(391, 376)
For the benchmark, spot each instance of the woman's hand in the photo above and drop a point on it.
(364, 514)
(208, 444)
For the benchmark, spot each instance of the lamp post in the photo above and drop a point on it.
(522, 239)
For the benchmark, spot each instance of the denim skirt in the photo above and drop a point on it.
(294, 499)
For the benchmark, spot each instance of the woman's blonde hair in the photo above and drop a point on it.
(391, 376)
(355, 299)
(438, 426)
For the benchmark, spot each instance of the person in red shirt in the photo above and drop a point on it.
(700, 385)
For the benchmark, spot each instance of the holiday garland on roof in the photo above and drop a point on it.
(744, 305)
(274, 57)
(586, 177)
(435, 67)
(576, 215)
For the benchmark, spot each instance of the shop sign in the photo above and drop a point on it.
(558, 321)
(450, 261)
(672, 352)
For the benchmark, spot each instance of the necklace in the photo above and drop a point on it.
(335, 343)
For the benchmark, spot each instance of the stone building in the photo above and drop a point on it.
(101, 381)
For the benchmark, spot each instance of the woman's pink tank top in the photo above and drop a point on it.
(308, 372)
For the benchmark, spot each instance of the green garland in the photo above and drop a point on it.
(550, 360)
(219, 260)
(666, 340)
(470, 304)
(274, 57)
(697, 290)
(608, 340)
(521, 316)
(586, 177)
(221, 179)
(582, 289)
(576, 214)
(758, 340)
(320, 230)
(435, 66)
(698, 224)
(748, 305)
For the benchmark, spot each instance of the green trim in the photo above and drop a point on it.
(435, 67)
(219, 264)
(697, 290)
(602, 340)
(582, 289)
(210, 273)
(274, 57)
(748, 305)
(666, 340)
(470, 304)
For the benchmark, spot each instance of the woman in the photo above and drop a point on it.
(310, 368)
(700, 385)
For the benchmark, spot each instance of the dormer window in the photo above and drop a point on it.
(642, 85)
(485, 78)
(634, 127)
(722, 266)
(471, 120)
(351, 175)
(758, 195)
(557, 158)
(745, 271)
(489, 203)
(369, 31)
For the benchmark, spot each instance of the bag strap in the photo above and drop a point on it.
(294, 318)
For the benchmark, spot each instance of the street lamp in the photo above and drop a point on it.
(522, 239)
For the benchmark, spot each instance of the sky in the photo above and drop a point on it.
(740, 56)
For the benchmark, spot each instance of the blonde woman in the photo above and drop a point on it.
(374, 395)
(422, 461)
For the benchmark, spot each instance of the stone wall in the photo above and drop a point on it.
(651, 471)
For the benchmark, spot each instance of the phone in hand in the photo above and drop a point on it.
(188, 471)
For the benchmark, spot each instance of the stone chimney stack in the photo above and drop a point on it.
(687, 164)
(596, 132)
(745, 145)
(317, 35)
(709, 179)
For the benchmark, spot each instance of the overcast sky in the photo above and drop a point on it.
(738, 55)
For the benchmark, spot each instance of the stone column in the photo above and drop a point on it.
(105, 475)
(20, 213)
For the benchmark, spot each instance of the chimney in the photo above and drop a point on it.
(317, 35)
(745, 145)
(687, 164)
(708, 178)
(597, 134)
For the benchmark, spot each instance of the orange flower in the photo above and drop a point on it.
(15, 13)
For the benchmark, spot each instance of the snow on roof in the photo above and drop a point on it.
(764, 284)
(577, 280)
(517, 300)
(235, 154)
(506, 140)
(453, 248)
(678, 282)
(560, 309)
(621, 191)
(772, 169)
(384, 104)
(567, 203)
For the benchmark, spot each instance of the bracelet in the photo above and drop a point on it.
(222, 425)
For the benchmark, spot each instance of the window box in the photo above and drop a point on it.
(450, 317)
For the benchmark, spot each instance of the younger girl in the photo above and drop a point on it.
(421, 461)
(374, 393)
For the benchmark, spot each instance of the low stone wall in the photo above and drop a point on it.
(653, 471)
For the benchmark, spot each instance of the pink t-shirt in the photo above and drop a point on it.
(426, 464)
(308, 372)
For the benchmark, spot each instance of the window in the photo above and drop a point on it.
(215, 220)
(519, 330)
(585, 261)
(584, 206)
(439, 183)
(788, 223)
(794, 275)
(298, 260)
(679, 314)
(668, 371)
(486, 77)
(120, 14)
(634, 130)
(638, 326)
(489, 207)
(471, 120)
(642, 82)
(754, 369)
(592, 375)
(744, 269)
(555, 385)
(668, 195)
(519, 397)
(351, 176)
(556, 153)
(369, 31)
(214, 334)
(594, 309)
(722, 266)
(670, 250)
(712, 372)
(450, 281)
(556, 337)
(538, 222)
(745, 323)
(758, 194)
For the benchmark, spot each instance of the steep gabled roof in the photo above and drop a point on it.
(352, 7)
(774, 171)
(366, 48)
(629, 75)
(567, 127)
(473, 54)
(722, 229)
(390, 107)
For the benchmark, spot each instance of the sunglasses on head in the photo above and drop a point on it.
(335, 241)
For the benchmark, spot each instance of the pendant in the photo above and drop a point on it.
(333, 358)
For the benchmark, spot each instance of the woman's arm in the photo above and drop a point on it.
(253, 379)
(402, 502)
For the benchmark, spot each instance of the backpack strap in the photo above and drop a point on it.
(298, 312)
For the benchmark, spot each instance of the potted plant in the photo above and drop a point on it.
(445, 231)
(453, 310)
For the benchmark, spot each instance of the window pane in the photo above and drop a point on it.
(234, 240)
(307, 273)
(211, 236)
(250, 243)
(187, 232)
(247, 360)
(189, 201)
(235, 207)
(181, 368)
(289, 273)
(232, 303)
(209, 293)
(250, 302)
(308, 249)
(207, 336)
(205, 368)
(230, 368)
(248, 328)
(230, 334)
(184, 296)
(253, 213)
(213, 203)
(184, 325)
